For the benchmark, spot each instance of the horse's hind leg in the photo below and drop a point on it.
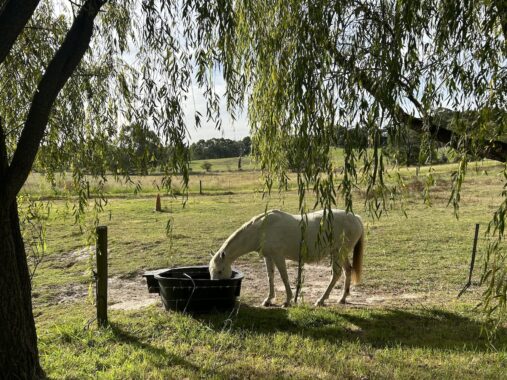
(270, 268)
(347, 271)
(332, 283)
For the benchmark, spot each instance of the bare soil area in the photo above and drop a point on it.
(254, 288)
(131, 293)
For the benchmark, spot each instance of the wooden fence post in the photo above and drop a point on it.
(200, 187)
(158, 204)
(101, 254)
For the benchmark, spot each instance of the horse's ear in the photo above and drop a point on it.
(211, 253)
(222, 255)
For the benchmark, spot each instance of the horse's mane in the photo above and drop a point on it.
(250, 223)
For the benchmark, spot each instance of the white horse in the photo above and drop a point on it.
(276, 235)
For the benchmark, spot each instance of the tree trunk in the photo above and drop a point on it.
(19, 357)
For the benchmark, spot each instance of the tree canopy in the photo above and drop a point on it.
(220, 148)
(383, 67)
(72, 73)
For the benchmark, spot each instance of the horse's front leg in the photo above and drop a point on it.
(270, 268)
(282, 268)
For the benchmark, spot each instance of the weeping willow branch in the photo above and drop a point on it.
(57, 73)
(490, 149)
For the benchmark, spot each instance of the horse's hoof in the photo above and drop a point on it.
(287, 304)
(319, 303)
(267, 303)
(343, 302)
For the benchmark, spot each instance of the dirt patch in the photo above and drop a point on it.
(131, 293)
(255, 284)
(80, 254)
(254, 288)
(71, 293)
(123, 294)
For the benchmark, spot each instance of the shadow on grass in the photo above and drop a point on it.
(157, 352)
(420, 328)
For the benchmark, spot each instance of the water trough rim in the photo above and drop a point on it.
(158, 275)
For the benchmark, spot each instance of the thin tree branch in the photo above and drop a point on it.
(59, 70)
(494, 150)
(3, 150)
(13, 19)
(501, 7)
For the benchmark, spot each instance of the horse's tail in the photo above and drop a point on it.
(357, 258)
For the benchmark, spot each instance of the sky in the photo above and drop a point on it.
(231, 129)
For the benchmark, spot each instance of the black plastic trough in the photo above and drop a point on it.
(191, 289)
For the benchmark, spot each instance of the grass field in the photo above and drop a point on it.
(403, 321)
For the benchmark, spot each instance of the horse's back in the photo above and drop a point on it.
(281, 222)
(347, 229)
(281, 233)
(348, 224)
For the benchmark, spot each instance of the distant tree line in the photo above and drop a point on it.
(220, 148)
(139, 150)
(410, 149)
(135, 149)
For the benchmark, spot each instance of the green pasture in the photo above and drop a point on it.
(421, 261)
(223, 178)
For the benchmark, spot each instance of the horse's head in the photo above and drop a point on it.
(218, 267)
